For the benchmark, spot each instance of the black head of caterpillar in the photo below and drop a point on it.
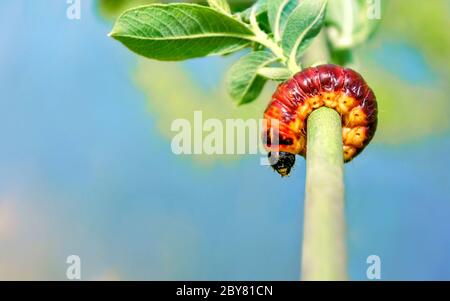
(281, 162)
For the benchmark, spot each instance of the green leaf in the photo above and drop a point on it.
(278, 12)
(112, 8)
(275, 73)
(261, 8)
(302, 26)
(179, 31)
(348, 23)
(220, 5)
(260, 15)
(243, 82)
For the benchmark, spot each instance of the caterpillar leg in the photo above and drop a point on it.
(281, 162)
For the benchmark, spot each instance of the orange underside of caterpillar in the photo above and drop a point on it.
(341, 89)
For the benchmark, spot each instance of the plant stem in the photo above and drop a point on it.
(267, 42)
(324, 250)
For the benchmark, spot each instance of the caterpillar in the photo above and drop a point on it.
(341, 89)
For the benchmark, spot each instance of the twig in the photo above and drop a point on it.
(324, 247)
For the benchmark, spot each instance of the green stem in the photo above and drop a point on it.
(324, 250)
(293, 66)
(262, 38)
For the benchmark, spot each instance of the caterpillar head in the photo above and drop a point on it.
(281, 162)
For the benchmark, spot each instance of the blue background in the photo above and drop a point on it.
(86, 168)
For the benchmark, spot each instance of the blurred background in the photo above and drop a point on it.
(86, 166)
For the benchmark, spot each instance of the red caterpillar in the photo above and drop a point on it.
(338, 88)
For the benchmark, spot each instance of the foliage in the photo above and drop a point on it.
(277, 32)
